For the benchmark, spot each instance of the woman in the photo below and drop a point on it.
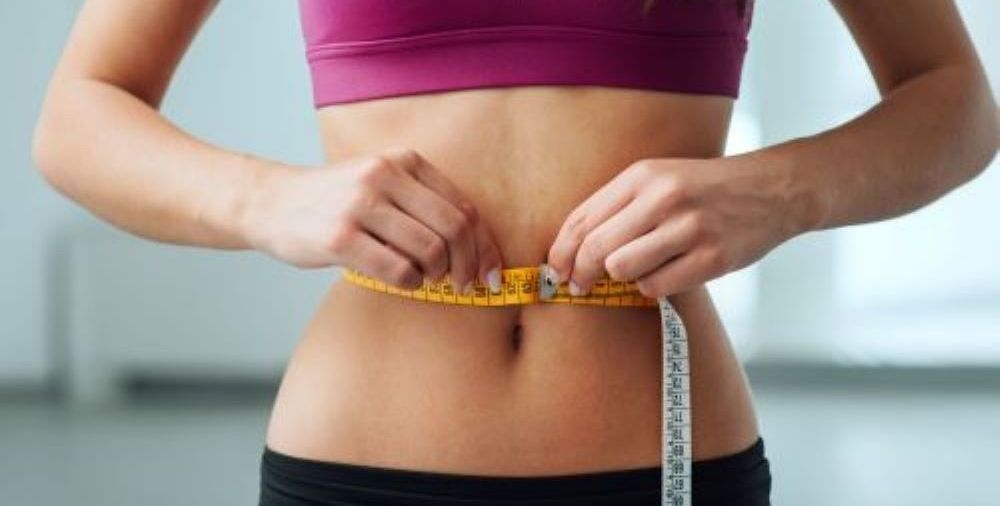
(464, 138)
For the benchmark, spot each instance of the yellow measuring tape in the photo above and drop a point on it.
(527, 285)
(520, 285)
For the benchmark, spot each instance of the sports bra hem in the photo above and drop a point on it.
(702, 63)
(512, 32)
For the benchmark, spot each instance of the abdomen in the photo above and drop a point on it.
(537, 389)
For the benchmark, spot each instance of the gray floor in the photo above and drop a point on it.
(897, 441)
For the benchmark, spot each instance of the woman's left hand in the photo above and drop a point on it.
(670, 224)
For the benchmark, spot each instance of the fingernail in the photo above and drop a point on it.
(574, 289)
(467, 289)
(493, 278)
(553, 274)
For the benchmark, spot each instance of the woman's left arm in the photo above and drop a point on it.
(934, 129)
(672, 224)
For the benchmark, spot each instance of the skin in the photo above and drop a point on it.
(627, 182)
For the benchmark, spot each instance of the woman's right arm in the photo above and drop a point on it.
(101, 141)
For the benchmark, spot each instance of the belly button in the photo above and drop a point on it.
(515, 336)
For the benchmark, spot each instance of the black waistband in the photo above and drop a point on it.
(288, 480)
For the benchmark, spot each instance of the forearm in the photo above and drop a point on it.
(119, 158)
(925, 138)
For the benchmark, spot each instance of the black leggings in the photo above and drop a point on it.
(740, 479)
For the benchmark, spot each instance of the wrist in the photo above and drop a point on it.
(230, 214)
(256, 197)
(800, 197)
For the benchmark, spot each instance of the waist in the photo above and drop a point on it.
(383, 379)
(387, 380)
(465, 348)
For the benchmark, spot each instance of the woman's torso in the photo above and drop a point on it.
(383, 380)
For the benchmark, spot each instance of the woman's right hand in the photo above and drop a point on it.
(392, 216)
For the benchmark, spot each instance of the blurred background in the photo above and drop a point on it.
(133, 372)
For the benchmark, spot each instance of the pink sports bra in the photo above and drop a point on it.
(363, 49)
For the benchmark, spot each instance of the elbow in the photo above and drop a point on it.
(986, 140)
(992, 136)
(40, 149)
(43, 145)
(49, 143)
(983, 135)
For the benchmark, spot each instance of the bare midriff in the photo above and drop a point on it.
(530, 390)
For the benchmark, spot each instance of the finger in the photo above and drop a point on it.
(679, 274)
(641, 256)
(636, 219)
(449, 223)
(600, 206)
(373, 258)
(487, 255)
(412, 239)
(446, 217)
(490, 262)
(488, 252)
(425, 172)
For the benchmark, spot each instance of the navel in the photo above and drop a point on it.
(515, 336)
